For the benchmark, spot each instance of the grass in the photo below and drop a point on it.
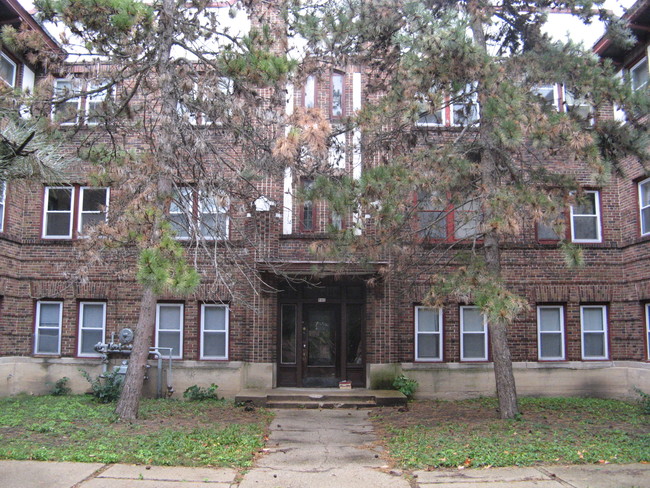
(549, 431)
(169, 432)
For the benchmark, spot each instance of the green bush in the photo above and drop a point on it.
(106, 388)
(61, 387)
(644, 401)
(405, 385)
(198, 393)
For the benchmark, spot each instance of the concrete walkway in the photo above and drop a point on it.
(317, 449)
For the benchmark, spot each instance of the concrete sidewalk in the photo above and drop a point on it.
(317, 449)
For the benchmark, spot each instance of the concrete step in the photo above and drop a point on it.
(332, 403)
(320, 398)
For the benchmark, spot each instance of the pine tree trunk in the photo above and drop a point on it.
(505, 379)
(129, 402)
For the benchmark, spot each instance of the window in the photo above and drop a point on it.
(585, 218)
(338, 83)
(337, 150)
(7, 70)
(461, 109)
(94, 102)
(307, 219)
(428, 334)
(441, 220)
(473, 335)
(639, 75)
(57, 219)
(548, 94)
(48, 327)
(199, 214)
(310, 92)
(644, 206)
(550, 332)
(92, 327)
(214, 331)
(647, 325)
(578, 106)
(3, 192)
(67, 102)
(92, 208)
(169, 328)
(593, 320)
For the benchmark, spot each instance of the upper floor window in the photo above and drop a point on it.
(548, 94)
(338, 90)
(593, 321)
(214, 331)
(48, 327)
(59, 207)
(579, 106)
(3, 192)
(460, 109)
(441, 220)
(585, 218)
(639, 75)
(8, 70)
(550, 332)
(169, 329)
(67, 96)
(199, 214)
(309, 95)
(644, 206)
(92, 327)
(428, 334)
(94, 102)
(308, 211)
(473, 335)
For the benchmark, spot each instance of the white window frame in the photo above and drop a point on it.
(183, 205)
(75, 90)
(221, 212)
(541, 333)
(484, 332)
(647, 329)
(81, 212)
(15, 70)
(604, 332)
(556, 97)
(469, 93)
(645, 229)
(3, 199)
(634, 68)
(181, 307)
(225, 332)
(47, 212)
(419, 333)
(571, 102)
(38, 327)
(597, 216)
(83, 328)
(97, 97)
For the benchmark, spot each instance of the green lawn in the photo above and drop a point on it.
(550, 431)
(169, 432)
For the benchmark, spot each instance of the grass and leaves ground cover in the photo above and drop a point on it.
(169, 432)
(434, 434)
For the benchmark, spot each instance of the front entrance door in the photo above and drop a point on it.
(321, 333)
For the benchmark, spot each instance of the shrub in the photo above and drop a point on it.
(405, 385)
(644, 401)
(106, 388)
(198, 393)
(61, 387)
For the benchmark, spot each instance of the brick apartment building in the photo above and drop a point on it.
(587, 330)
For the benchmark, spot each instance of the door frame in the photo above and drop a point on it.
(345, 296)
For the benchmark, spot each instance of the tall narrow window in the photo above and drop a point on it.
(214, 331)
(593, 319)
(585, 218)
(337, 94)
(428, 334)
(473, 335)
(432, 216)
(213, 217)
(464, 106)
(288, 345)
(467, 219)
(3, 192)
(310, 92)
(550, 333)
(48, 328)
(337, 151)
(67, 102)
(639, 75)
(7, 70)
(180, 212)
(307, 221)
(92, 327)
(92, 208)
(169, 328)
(94, 103)
(644, 204)
(57, 214)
